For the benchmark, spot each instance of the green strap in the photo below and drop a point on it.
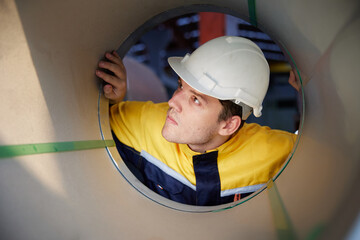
(37, 148)
(252, 12)
(281, 218)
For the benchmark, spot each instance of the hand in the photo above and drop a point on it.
(293, 80)
(113, 72)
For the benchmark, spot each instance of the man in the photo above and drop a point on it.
(197, 149)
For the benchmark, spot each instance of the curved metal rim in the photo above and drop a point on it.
(103, 105)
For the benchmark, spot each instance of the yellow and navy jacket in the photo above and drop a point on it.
(235, 169)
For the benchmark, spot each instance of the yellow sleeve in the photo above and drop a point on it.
(131, 121)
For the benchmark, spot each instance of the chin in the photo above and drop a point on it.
(170, 137)
(165, 134)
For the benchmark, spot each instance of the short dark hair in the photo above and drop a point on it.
(230, 109)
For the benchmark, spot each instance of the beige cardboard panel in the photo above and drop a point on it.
(24, 114)
(81, 194)
(326, 165)
(306, 29)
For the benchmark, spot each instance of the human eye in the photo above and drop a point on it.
(180, 86)
(196, 100)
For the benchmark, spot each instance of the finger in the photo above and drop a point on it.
(108, 88)
(118, 59)
(113, 96)
(110, 96)
(118, 70)
(293, 81)
(114, 57)
(109, 92)
(116, 54)
(107, 77)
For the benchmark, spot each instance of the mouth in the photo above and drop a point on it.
(171, 120)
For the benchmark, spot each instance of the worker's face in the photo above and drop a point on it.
(192, 117)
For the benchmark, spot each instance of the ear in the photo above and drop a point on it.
(229, 126)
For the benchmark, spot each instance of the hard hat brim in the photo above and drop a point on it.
(179, 68)
(177, 64)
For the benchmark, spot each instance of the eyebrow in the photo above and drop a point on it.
(199, 95)
(196, 93)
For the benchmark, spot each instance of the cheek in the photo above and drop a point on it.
(198, 120)
(199, 124)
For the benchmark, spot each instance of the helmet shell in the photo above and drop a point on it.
(227, 68)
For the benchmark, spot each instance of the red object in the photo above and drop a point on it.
(211, 25)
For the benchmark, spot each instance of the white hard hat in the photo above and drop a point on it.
(227, 68)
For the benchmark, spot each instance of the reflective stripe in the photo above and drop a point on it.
(247, 189)
(167, 169)
(183, 180)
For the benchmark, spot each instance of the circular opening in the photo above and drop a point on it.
(175, 33)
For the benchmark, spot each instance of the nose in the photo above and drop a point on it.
(175, 101)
